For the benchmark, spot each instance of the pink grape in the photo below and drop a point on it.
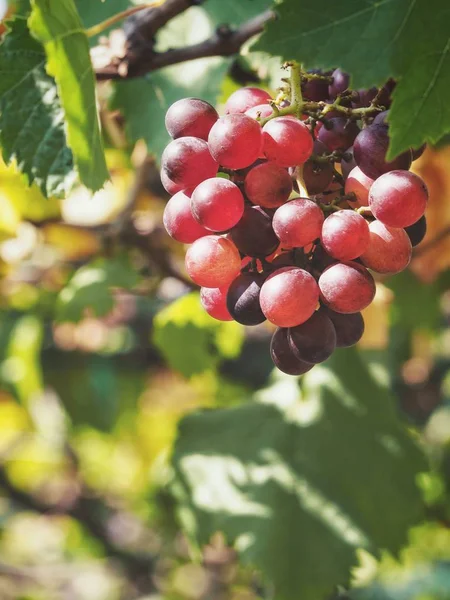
(260, 111)
(213, 261)
(283, 357)
(298, 223)
(314, 340)
(289, 296)
(187, 162)
(287, 142)
(241, 100)
(179, 220)
(398, 198)
(214, 301)
(345, 235)
(170, 186)
(190, 117)
(389, 250)
(235, 141)
(358, 183)
(268, 185)
(346, 287)
(217, 204)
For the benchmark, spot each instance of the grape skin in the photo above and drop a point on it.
(398, 198)
(317, 175)
(345, 235)
(370, 149)
(340, 83)
(268, 185)
(242, 100)
(283, 357)
(170, 186)
(217, 204)
(190, 117)
(338, 134)
(289, 296)
(346, 287)
(179, 220)
(235, 141)
(187, 162)
(389, 250)
(260, 111)
(417, 231)
(315, 340)
(254, 234)
(243, 299)
(287, 142)
(298, 223)
(359, 184)
(214, 301)
(349, 328)
(212, 261)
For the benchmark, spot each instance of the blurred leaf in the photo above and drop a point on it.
(299, 481)
(56, 24)
(190, 340)
(31, 116)
(93, 12)
(91, 288)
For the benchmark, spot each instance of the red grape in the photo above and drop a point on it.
(349, 328)
(314, 340)
(245, 98)
(389, 250)
(370, 149)
(358, 183)
(298, 223)
(289, 296)
(398, 198)
(214, 301)
(235, 141)
(179, 220)
(268, 185)
(346, 287)
(190, 117)
(345, 235)
(187, 162)
(243, 299)
(338, 133)
(260, 111)
(213, 261)
(287, 142)
(254, 234)
(217, 204)
(169, 185)
(283, 357)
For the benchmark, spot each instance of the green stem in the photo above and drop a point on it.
(100, 27)
(296, 89)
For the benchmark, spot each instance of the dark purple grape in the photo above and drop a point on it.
(283, 357)
(370, 149)
(317, 175)
(315, 340)
(243, 299)
(338, 133)
(349, 328)
(418, 153)
(381, 118)
(364, 97)
(340, 83)
(385, 97)
(416, 232)
(315, 89)
(348, 163)
(254, 234)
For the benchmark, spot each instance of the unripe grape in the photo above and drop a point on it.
(345, 235)
(187, 162)
(287, 142)
(346, 287)
(179, 220)
(298, 223)
(289, 296)
(389, 250)
(214, 301)
(283, 357)
(235, 141)
(217, 204)
(359, 184)
(213, 261)
(315, 340)
(190, 117)
(268, 185)
(242, 100)
(398, 198)
(243, 299)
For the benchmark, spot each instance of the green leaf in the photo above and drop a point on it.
(190, 340)
(375, 40)
(91, 288)
(31, 117)
(93, 12)
(56, 25)
(299, 481)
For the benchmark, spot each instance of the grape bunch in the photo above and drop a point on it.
(289, 205)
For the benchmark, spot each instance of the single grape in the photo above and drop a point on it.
(245, 98)
(235, 141)
(283, 357)
(243, 299)
(415, 154)
(398, 198)
(381, 118)
(389, 250)
(363, 98)
(217, 204)
(349, 328)
(416, 232)
(338, 133)
(289, 296)
(298, 223)
(287, 142)
(179, 220)
(348, 163)
(190, 117)
(370, 149)
(314, 340)
(214, 301)
(170, 186)
(187, 162)
(359, 184)
(254, 234)
(345, 235)
(315, 89)
(317, 175)
(346, 287)
(340, 83)
(268, 185)
(261, 111)
(213, 261)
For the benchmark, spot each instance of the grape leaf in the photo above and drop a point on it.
(31, 116)
(373, 41)
(299, 481)
(56, 24)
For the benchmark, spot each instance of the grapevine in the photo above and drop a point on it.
(290, 205)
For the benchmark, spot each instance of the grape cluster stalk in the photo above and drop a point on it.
(289, 205)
